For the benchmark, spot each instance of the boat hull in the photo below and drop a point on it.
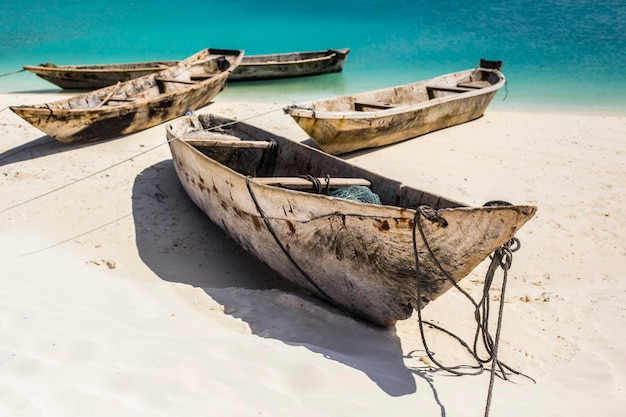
(251, 68)
(392, 115)
(137, 104)
(357, 256)
(278, 66)
(89, 77)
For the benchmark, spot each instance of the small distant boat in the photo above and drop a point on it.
(90, 77)
(390, 115)
(290, 65)
(355, 238)
(252, 68)
(136, 104)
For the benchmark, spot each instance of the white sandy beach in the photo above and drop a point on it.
(119, 298)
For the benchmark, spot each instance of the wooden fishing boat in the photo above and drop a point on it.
(136, 104)
(90, 77)
(391, 115)
(290, 65)
(251, 68)
(290, 205)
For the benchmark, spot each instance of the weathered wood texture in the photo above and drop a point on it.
(79, 77)
(291, 65)
(357, 256)
(252, 68)
(137, 104)
(382, 117)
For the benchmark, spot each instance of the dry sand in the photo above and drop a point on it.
(119, 298)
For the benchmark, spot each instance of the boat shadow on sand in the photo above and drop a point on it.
(42, 147)
(180, 244)
(38, 148)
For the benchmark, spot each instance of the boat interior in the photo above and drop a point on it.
(148, 87)
(280, 162)
(421, 92)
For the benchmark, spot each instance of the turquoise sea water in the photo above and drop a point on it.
(567, 55)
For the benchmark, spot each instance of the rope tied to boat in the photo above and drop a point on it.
(12, 72)
(501, 258)
(295, 106)
(282, 247)
(431, 214)
(116, 164)
(315, 182)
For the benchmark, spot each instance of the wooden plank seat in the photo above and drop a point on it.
(208, 142)
(430, 89)
(374, 105)
(174, 80)
(304, 183)
(109, 95)
(116, 101)
(474, 84)
(211, 59)
(202, 77)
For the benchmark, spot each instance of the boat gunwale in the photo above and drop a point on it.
(316, 56)
(279, 63)
(145, 65)
(140, 102)
(303, 112)
(46, 109)
(402, 211)
(106, 68)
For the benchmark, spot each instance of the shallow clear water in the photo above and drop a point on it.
(558, 54)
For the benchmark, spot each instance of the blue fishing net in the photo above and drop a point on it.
(357, 193)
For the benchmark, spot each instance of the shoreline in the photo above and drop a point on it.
(122, 292)
(293, 90)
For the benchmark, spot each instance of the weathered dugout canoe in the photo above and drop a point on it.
(137, 104)
(290, 65)
(390, 115)
(358, 256)
(251, 68)
(81, 77)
